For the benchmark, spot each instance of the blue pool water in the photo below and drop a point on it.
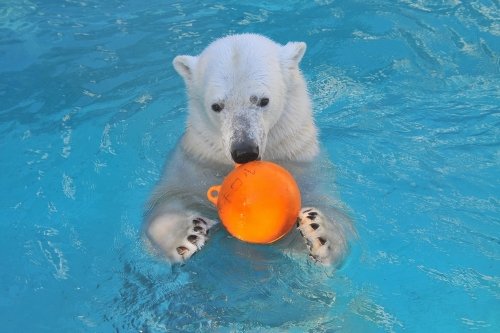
(406, 95)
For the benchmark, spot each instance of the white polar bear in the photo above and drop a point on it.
(247, 101)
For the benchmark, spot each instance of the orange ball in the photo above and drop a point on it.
(258, 202)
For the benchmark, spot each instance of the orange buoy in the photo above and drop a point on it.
(258, 202)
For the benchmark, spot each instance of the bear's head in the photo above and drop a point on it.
(239, 87)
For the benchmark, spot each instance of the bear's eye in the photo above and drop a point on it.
(263, 101)
(217, 107)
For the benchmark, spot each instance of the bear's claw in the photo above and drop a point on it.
(311, 225)
(196, 237)
(181, 250)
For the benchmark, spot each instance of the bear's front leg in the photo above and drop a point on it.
(324, 238)
(179, 235)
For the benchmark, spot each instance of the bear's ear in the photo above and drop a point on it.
(184, 65)
(292, 53)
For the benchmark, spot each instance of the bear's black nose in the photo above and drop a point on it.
(245, 153)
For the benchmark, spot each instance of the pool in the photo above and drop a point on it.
(406, 95)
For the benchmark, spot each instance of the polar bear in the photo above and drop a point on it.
(247, 101)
